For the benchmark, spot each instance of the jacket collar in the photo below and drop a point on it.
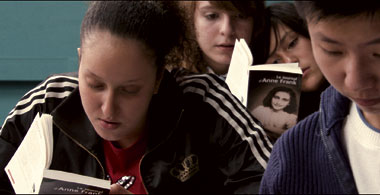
(334, 108)
(71, 119)
(164, 113)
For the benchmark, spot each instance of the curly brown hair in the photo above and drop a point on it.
(192, 54)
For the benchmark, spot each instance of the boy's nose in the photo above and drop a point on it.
(357, 76)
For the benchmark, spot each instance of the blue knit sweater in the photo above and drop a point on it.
(310, 158)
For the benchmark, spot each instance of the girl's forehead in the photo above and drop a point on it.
(282, 93)
(109, 39)
(219, 5)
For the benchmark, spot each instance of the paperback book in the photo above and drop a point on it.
(270, 92)
(29, 173)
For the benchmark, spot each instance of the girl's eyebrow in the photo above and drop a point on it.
(207, 7)
(282, 39)
(135, 80)
(92, 74)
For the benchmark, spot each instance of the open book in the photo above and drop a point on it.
(28, 168)
(271, 92)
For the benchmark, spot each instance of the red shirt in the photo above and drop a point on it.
(125, 162)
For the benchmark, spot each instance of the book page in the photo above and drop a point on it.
(237, 76)
(46, 125)
(27, 164)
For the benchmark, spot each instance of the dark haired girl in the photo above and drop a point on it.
(124, 114)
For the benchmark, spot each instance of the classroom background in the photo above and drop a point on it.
(38, 38)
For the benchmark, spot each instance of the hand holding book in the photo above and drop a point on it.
(28, 169)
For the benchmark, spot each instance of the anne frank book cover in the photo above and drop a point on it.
(60, 182)
(273, 95)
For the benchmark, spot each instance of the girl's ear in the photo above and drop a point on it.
(160, 75)
(79, 55)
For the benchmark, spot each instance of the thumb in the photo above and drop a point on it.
(118, 189)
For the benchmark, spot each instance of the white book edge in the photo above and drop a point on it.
(76, 178)
(285, 67)
(33, 155)
(237, 76)
(46, 124)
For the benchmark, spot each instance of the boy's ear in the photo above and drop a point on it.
(160, 75)
(79, 55)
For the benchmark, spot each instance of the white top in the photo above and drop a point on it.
(362, 142)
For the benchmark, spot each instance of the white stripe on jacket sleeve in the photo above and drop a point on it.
(232, 111)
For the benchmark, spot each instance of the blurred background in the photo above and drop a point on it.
(37, 39)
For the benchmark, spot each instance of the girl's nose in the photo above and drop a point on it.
(226, 26)
(109, 105)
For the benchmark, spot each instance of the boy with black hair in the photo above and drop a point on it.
(336, 150)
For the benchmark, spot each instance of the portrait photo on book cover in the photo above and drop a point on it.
(273, 99)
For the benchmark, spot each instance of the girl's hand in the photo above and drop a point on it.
(118, 189)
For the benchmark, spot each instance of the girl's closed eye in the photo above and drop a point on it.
(130, 90)
(276, 61)
(211, 16)
(293, 43)
(240, 16)
(95, 85)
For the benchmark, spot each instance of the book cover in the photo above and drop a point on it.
(273, 95)
(270, 92)
(60, 182)
(28, 170)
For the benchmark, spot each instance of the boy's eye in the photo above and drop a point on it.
(332, 53)
(376, 55)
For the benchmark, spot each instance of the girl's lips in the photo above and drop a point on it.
(305, 71)
(225, 47)
(108, 125)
